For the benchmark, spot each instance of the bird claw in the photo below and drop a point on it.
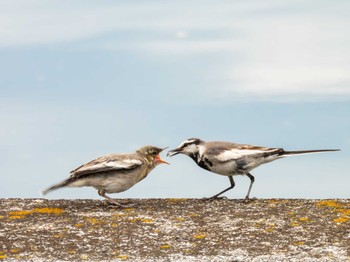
(248, 200)
(115, 204)
(214, 198)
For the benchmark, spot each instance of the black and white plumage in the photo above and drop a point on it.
(113, 173)
(231, 159)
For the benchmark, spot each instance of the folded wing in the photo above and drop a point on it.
(106, 163)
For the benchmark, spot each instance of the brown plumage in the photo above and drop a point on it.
(113, 173)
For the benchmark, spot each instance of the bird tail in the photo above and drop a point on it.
(57, 186)
(308, 151)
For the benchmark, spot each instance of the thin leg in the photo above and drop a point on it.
(102, 193)
(232, 182)
(252, 179)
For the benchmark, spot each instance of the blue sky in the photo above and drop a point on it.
(80, 79)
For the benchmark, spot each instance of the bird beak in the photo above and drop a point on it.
(173, 152)
(158, 160)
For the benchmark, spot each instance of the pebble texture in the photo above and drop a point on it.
(175, 230)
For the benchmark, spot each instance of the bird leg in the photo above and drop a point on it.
(232, 182)
(252, 179)
(110, 200)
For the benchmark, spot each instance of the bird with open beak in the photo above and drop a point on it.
(114, 173)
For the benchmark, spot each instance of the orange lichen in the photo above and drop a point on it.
(345, 212)
(341, 219)
(329, 203)
(338, 208)
(44, 210)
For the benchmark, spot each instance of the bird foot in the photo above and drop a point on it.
(115, 204)
(248, 200)
(214, 198)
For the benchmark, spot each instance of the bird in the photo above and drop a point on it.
(113, 173)
(232, 159)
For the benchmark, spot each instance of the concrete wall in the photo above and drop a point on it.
(175, 230)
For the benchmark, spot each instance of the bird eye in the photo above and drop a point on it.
(153, 152)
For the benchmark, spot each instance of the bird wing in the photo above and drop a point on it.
(242, 154)
(110, 162)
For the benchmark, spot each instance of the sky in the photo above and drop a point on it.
(80, 79)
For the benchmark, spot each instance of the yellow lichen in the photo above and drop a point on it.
(79, 225)
(270, 228)
(14, 251)
(146, 220)
(294, 224)
(180, 219)
(44, 210)
(3, 256)
(299, 243)
(84, 257)
(122, 257)
(143, 220)
(304, 219)
(59, 235)
(200, 236)
(166, 246)
(92, 220)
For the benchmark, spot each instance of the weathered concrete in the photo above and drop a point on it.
(175, 230)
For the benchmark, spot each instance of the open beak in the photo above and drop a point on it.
(158, 160)
(173, 152)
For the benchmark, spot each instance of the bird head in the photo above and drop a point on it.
(188, 147)
(151, 153)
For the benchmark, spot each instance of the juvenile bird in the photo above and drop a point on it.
(231, 159)
(114, 173)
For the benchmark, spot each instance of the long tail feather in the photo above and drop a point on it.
(308, 151)
(57, 186)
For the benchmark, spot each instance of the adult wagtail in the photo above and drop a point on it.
(231, 159)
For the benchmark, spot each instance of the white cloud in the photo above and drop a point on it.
(284, 48)
(306, 57)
